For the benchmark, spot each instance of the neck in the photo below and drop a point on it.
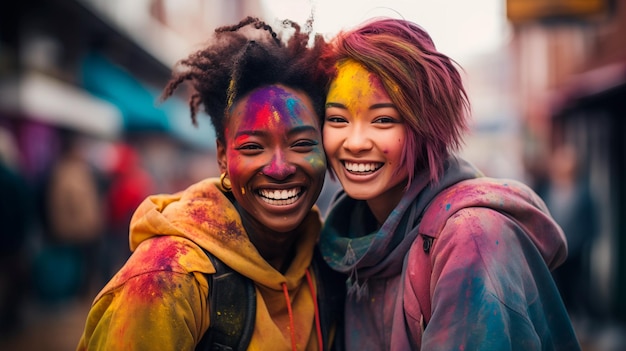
(275, 247)
(278, 252)
(382, 205)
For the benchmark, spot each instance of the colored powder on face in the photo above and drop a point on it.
(293, 108)
(317, 161)
(351, 84)
(272, 108)
(259, 115)
(274, 111)
(278, 166)
(354, 84)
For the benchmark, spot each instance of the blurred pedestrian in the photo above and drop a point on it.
(17, 215)
(439, 256)
(128, 185)
(572, 205)
(73, 214)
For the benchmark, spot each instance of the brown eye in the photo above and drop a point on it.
(335, 119)
(304, 145)
(250, 147)
(384, 119)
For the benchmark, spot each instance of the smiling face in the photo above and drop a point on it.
(364, 136)
(273, 157)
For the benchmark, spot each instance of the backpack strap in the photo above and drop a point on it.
(232, 305)
(331, 289)
(232, 301)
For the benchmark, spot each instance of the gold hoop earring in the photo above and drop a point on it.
(225, 182)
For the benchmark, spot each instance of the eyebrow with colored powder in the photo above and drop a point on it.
(250, 132)
(335, 104)
(373, 107)
(302, 129)
(382, 105)
(294, 130)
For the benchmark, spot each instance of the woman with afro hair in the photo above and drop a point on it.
(265, 98)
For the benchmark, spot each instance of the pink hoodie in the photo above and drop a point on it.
(490, 245)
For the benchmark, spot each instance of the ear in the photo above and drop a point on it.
(221, 156)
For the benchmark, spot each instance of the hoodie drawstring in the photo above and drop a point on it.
(292, 328)
(318, 327)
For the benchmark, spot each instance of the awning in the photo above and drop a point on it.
(52, 101)
(589, 85)
(139, 105)
(110, 82)
(181, 127)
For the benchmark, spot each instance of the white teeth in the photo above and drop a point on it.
(280, 197)
(279, 194)
(280, 202)
(361, 167)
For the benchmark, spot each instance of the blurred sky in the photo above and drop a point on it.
(461, 29)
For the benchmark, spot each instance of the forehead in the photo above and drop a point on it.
(354, 83)
(273, 106)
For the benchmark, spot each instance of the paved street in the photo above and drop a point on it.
(49, 328)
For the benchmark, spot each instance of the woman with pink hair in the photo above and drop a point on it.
(439, 256)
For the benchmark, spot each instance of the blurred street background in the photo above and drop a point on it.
(84, 138)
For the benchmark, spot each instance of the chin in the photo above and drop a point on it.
(286, 223)
(359, 194)
(284, 228)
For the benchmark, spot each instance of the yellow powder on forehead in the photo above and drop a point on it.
(353, 82)
(276, 116)
(354, 85)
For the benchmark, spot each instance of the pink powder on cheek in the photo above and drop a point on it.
(235, 161)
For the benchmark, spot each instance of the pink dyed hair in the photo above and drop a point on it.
(423, 83)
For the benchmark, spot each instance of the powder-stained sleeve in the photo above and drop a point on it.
(151, 311)
(484, 287)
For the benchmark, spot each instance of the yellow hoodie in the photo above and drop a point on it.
(158, 299)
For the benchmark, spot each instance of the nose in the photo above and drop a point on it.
(279, 167)
(357, 141)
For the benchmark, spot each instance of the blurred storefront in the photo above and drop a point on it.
(571, 74)
(590, 110)
(98, 68)
(95, 69)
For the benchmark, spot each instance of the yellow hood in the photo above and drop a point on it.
(204, 215)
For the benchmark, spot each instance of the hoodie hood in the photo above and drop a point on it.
(348, 247)
(205, 215)
(509, 197)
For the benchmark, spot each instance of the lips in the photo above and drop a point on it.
(280, 197)
(362, 168)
